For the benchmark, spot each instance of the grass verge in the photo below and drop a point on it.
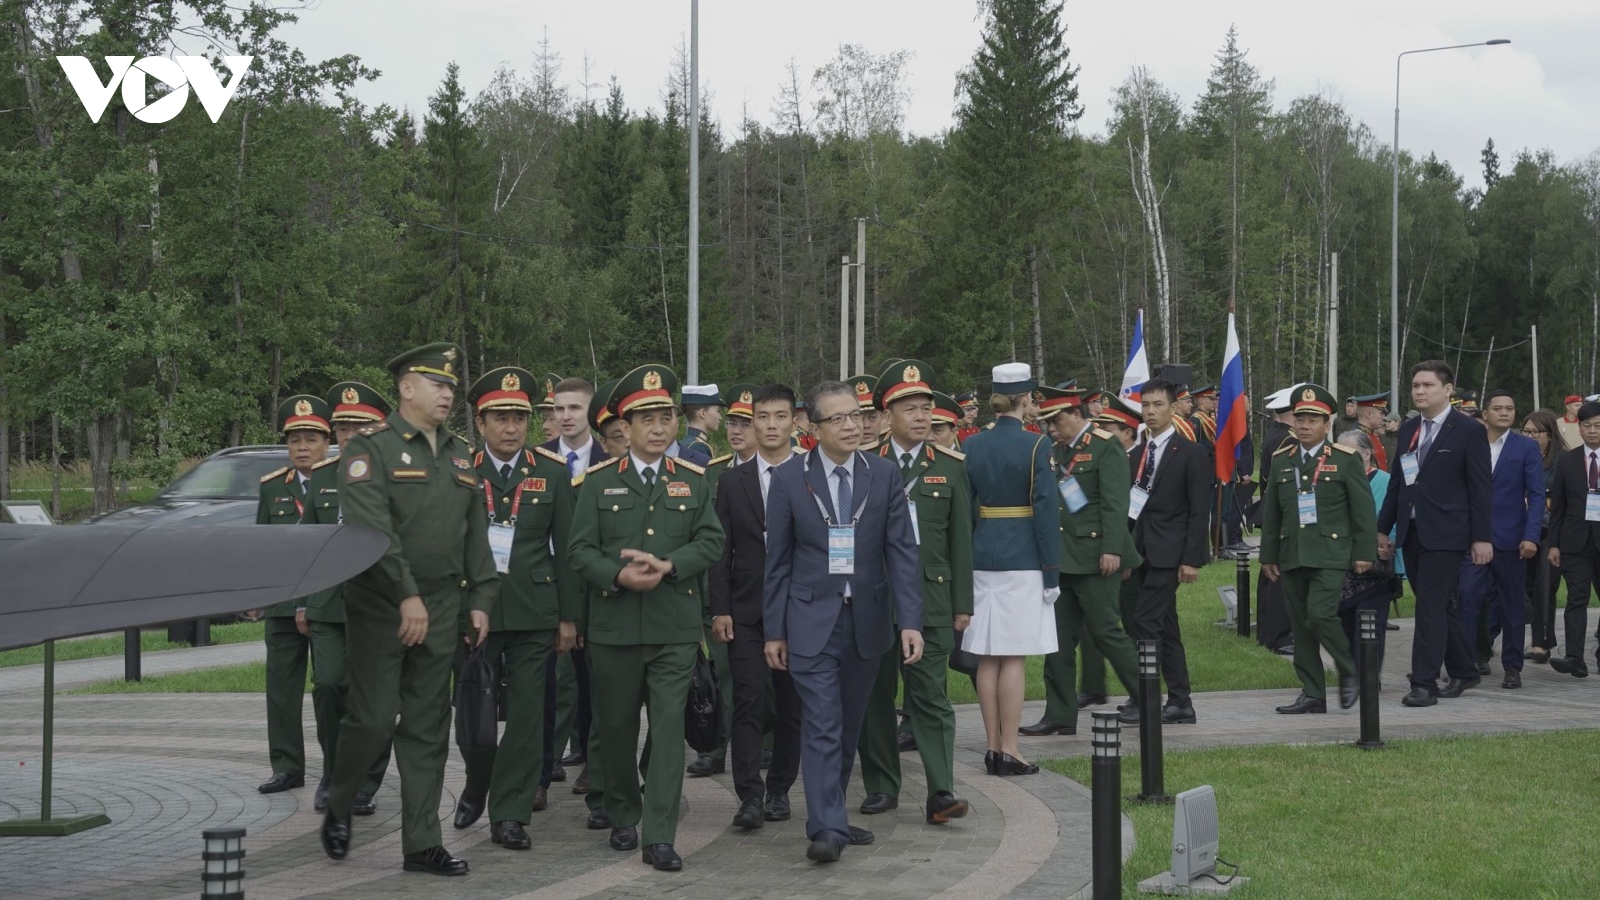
(112, 645)
(1335, 822)
(250, 678)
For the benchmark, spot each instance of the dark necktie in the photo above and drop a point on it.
(845, 508)
(905, 466)
(505, 472)
(572, 463)
(1149, 465)
(1594, 472)
(649, 476)
(1427, 440)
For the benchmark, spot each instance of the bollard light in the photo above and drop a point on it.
(1151, 775)
(1106, 806)
(1367, 676)
(1241, 615)
(222, 875)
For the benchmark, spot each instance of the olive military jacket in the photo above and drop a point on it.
(674, 519)
(540, 591)
(1346, 526)
(322, 508)
(281, 503)
(431, 507)
(937, 490)
(1098, 463)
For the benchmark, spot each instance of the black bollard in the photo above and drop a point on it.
(1106, 806)
(1242, 590)
(1367, 649)
(1150, 774)
(222, 864)
(130, 654)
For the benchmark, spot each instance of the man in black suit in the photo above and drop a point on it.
(736, 599)
(576, 444)
(1575, 534)
(1439, 503)
(1170, 504)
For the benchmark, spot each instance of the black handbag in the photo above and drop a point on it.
(703, 725)
(475, 703)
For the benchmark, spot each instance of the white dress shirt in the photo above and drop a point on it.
(1495, 446)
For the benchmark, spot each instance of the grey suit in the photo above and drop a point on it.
(834, 642)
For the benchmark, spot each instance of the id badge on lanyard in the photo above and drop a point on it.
(1308, 507)
(1591, 507)
(1072, 494)
(1136, 500)
(500, 537)
(841, 550)
(916, 530)
(1408, 467)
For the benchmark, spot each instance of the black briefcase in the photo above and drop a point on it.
(475, 703)
(703, 725)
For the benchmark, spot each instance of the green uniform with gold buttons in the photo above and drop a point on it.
(641, 647)
(426, 497)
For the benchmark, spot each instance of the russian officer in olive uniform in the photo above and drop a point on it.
(1121, 420)
(1093, 480)
(527, 496)
(303, 422)
(1318, 522)
(354, 406)
(934, 480)
(412, 479)
(644, 532)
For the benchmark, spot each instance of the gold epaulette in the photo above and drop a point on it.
(1343, 449)
(327, 462)
(601, 465)
(1285, 449)
(546, 451)
(955, 454)
(271, 475)
(720, 459)
(1102, 434)
(375, 428)
(678, 460)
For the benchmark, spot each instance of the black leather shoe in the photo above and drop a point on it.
(335, 836)
(1006, 764)
(766, 759)
(1537, 654)
(1044, 727)
(1513, 679)
(860, 837)
(905, 742)
(944, 806)
(1128, 715)
(1304, 704)
(626, 838)
(541, 799)
(281, 782)
(824, 849)
(363, 804)
(581, 786)
(1569, 665)
(778, 808)
(468, 811)
(510, 835)
(320, 802)
(1419, 696)
(750, 815)
(599, 819)
(558, 773)
(1390, 626)
(1173, 714)
(435, 861)
(991, 762)
(574, 758)
(1483, 668)
(1091, 700)
(1459, 686)
(1349, 692)
(879, 803)
(663, 857)
(705, 764)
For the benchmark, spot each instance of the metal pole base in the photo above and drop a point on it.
(58, 826)
(1370, 745)
(1156, 800)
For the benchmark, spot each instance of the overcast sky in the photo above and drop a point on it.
(1542, 91)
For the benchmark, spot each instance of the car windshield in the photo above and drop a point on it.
(225, 478)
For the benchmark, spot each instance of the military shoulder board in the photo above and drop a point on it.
(271, 475)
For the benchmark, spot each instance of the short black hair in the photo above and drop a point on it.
(1159, 385)
(1588, 411)
(628, 416)
(816, 392)
(1438, 367)
(770, 392)
(1497, 392)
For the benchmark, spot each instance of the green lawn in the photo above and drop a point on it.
(1479, 817)
(149, 642)
(250, 678)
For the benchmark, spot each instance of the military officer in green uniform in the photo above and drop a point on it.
(644, 532)
(528, 499)
(1122, 420)
(935, 484)
(544, 394)
(946, 421)
(354, 406)
(412, 479)
(1092, 476)
(1318, 521)
(303, 422)
(866, 387)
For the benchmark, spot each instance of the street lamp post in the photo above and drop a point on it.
(1394, 232)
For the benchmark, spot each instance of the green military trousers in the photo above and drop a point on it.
(927, 706)
(1094, 669)
(330, 691)
(390, 681)
(510, 774)
(287, 649)
(1311, 597)
(1087, 613)
(626, 678)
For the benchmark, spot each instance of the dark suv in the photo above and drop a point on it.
(222, 490)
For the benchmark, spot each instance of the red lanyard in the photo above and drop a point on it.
(1316, 473)
(1073, 462)
(1144, 457)
(488, 499)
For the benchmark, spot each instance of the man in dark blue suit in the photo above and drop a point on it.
(1439, 503)
(841, 570)
(1518, 504)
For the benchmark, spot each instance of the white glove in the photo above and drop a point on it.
(1050, 594)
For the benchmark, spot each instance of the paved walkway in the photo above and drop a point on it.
(166, 766)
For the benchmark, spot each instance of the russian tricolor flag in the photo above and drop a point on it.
(1233, 417)
(1137, 372)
